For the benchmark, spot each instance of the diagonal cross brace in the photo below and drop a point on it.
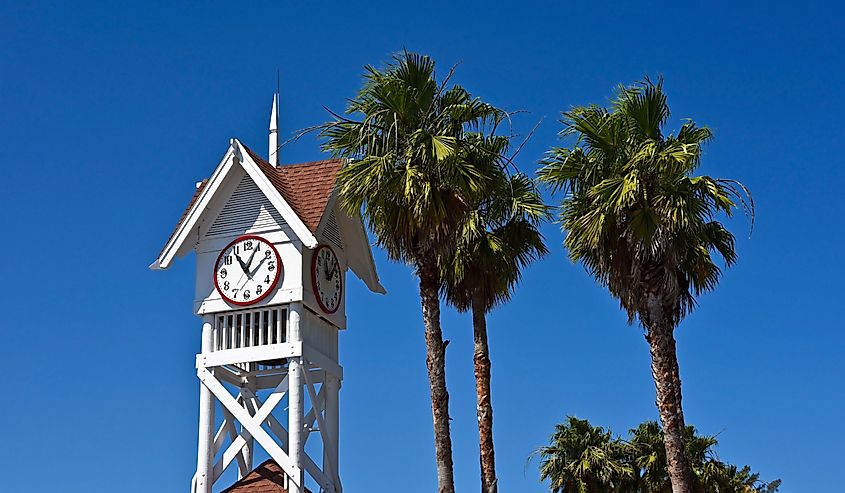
(234, 449)
(327, 440)
(253, 424)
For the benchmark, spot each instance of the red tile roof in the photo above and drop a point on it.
(305, 186)
(266, 478)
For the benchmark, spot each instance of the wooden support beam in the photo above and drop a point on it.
(318, 359)
(250, 354)
(308, 422)
(233, 450)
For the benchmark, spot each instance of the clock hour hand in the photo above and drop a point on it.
(331, 274)
(244, 268)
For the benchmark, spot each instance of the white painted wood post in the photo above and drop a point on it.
(296, 407)
(249, 448)
(205, 446)
(330, 455)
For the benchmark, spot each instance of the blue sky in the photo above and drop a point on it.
(113, 110)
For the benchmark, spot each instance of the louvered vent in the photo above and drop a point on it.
(248, 209)
(331, 231)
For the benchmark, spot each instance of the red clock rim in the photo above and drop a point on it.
(272, 286)
(314, 279)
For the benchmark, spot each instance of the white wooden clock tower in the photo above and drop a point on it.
(272, 249)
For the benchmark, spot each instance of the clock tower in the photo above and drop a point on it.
(272, 252)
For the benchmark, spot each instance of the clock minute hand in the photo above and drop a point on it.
(253, 271)
(249, 262)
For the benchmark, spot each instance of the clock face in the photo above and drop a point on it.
(247, 270)
(326, 278)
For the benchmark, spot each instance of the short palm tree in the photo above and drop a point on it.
(582, 458)
(645, 227)
(495, 241)
(718, 477)
(402, 134)
(646, 453)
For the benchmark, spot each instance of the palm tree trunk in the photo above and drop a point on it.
(664, 370)
(484, 409)
(663, 362)
(436, 364)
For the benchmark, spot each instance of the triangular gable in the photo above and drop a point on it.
(349, 234)
(246, 210)
(304, 197)
(237, 154)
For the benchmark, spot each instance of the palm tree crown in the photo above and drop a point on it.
(583, 458)
(635, 215)
(405, 173)
(498, 236)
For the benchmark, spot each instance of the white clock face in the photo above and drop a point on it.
(327, 278)
(247, 270)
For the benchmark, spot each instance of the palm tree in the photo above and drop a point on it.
(583, 459)
(644, 227)
(718, 477)
(405, 177)
(646, 453)
(496, 240)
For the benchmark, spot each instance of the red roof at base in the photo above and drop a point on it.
(266, 478)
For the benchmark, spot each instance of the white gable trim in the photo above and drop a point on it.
(299, 228)
(235, 154)
(366, 269)
(356, 244)
(178, 238)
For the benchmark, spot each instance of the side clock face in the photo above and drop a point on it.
(326, 278)
(247, 270)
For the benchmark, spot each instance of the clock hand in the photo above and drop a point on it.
(244, 268)
(253, 271)
(249, 262)
(331, 274)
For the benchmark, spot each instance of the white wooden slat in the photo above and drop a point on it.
(262, 338)
(280, 316)
(232, 333)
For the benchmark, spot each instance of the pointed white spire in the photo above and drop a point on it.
(273, 153)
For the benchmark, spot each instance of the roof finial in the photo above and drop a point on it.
(273, 154)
